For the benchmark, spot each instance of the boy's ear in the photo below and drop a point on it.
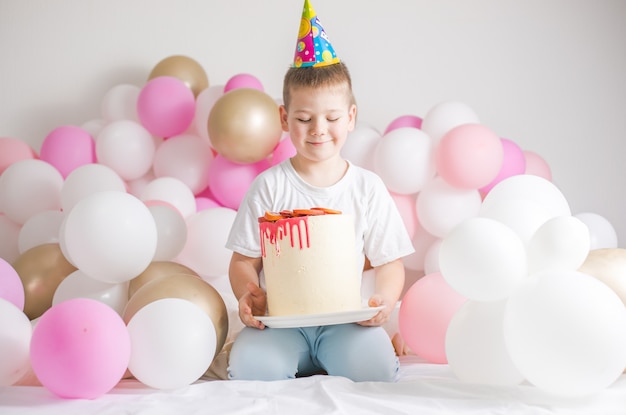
(352, 115)
(283, 118)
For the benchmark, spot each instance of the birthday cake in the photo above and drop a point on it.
(309, 262)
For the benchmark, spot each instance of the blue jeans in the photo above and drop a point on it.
(350, 350)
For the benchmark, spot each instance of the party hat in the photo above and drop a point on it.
(313, 47)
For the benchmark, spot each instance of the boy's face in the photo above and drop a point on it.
(319, 120)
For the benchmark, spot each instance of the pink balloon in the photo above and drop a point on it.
(469, 156)
(230, 181)
(67, 148)
(12, 150)
(513, 163)
(11, 287)
(406, 207)
(203, 203)
(537, 166)
(283, 151)
(425, 313)
(166, 106)
(80, 348)
(243, 80)
(412, 121)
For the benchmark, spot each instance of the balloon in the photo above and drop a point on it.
(483, 259)
(80, 348)
(11, 287)
(166, 106)
(41, 270)
(523, 216)
(421, 242)
(15, 336)
(171, 230)
(361, 145)
(513, 163)
(186, 287)
(566, 333)
(403, 159)
(229, 182)
(244, 125)
(537, 166)
(12, 150)
(561, 243)
(204, 103)
(186, 157)
(601, 231)
(110, 236)
(609, 266)
(469, 156)
(243, 80)
(172, 191)
(411, 121)
(425, 312)
(67, 147)
(120, 103)
(79, 285)
(207, 232)
(28, 187)
(173, 343)
(93, 127)
(87, 180)
(440, 206)
(406, 207)
(283, 151)
(475, 345)
(127, 148)
(205, 203)
(41, 228)
(156, 270)
(183, 68)
(431, 258)
(10, 231)
(445, 116)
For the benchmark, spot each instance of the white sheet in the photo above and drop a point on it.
(423, 388)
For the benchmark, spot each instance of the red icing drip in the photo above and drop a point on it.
(276, 231)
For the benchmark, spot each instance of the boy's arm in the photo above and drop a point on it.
(389, 281)
(244, 280)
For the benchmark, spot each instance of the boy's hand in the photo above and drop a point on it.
(382, 316)
(253, 303)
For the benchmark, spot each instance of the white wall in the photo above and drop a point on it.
(547, 74)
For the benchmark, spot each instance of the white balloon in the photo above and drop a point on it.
(172, 191)
(361, 145)
(475, 345)
(120, 103)
(431, 259)
(445, 116)
(86, 180)
(204, 102)
(173, 342)
(41, 228)
(483, 259)
(171, 231)
(79, 285)
(524, 216)
(422, 240)
(10, 231)
(561, 243)
(566, 333)
(15, 334)
(602, 232)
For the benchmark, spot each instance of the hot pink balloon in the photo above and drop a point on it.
(166, 106)
(230, 181)
(412, 121)
(12, 150)
(243, 80)
(67, 148)
(11, 287)
(80, 348)
(537, 166)
(469, 156)
(425, 313)
(283, 151)
(513, 163)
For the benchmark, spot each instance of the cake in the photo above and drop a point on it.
(309, 261)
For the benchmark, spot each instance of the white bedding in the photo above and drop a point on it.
(422, 388)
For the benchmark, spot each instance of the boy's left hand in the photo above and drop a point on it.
(382, 316)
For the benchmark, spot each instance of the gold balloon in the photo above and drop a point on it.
(244, 125)
(186, 287)
(41, 269)
(157, 270)
(185, 69)
(609, 266)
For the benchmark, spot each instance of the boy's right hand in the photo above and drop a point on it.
(253, 303)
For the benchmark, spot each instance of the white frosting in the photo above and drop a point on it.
(310, 265)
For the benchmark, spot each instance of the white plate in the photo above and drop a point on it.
(324, 319)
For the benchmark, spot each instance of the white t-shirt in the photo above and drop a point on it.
(380, 231)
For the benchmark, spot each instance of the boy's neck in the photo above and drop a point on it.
(320, 174)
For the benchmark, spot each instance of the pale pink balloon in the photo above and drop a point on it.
(203, 203)
(406, 207)
(67, 148)
(469, 156)
(425, 313)
(243, 80)
(412, 121)
(513, 163)
(537, 165)
(11, 287)
(12, 150)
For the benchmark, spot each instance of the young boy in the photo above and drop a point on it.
(318, 112)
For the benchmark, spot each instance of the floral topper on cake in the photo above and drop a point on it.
(313, 47)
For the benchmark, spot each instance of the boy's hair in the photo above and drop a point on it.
(316, 77)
